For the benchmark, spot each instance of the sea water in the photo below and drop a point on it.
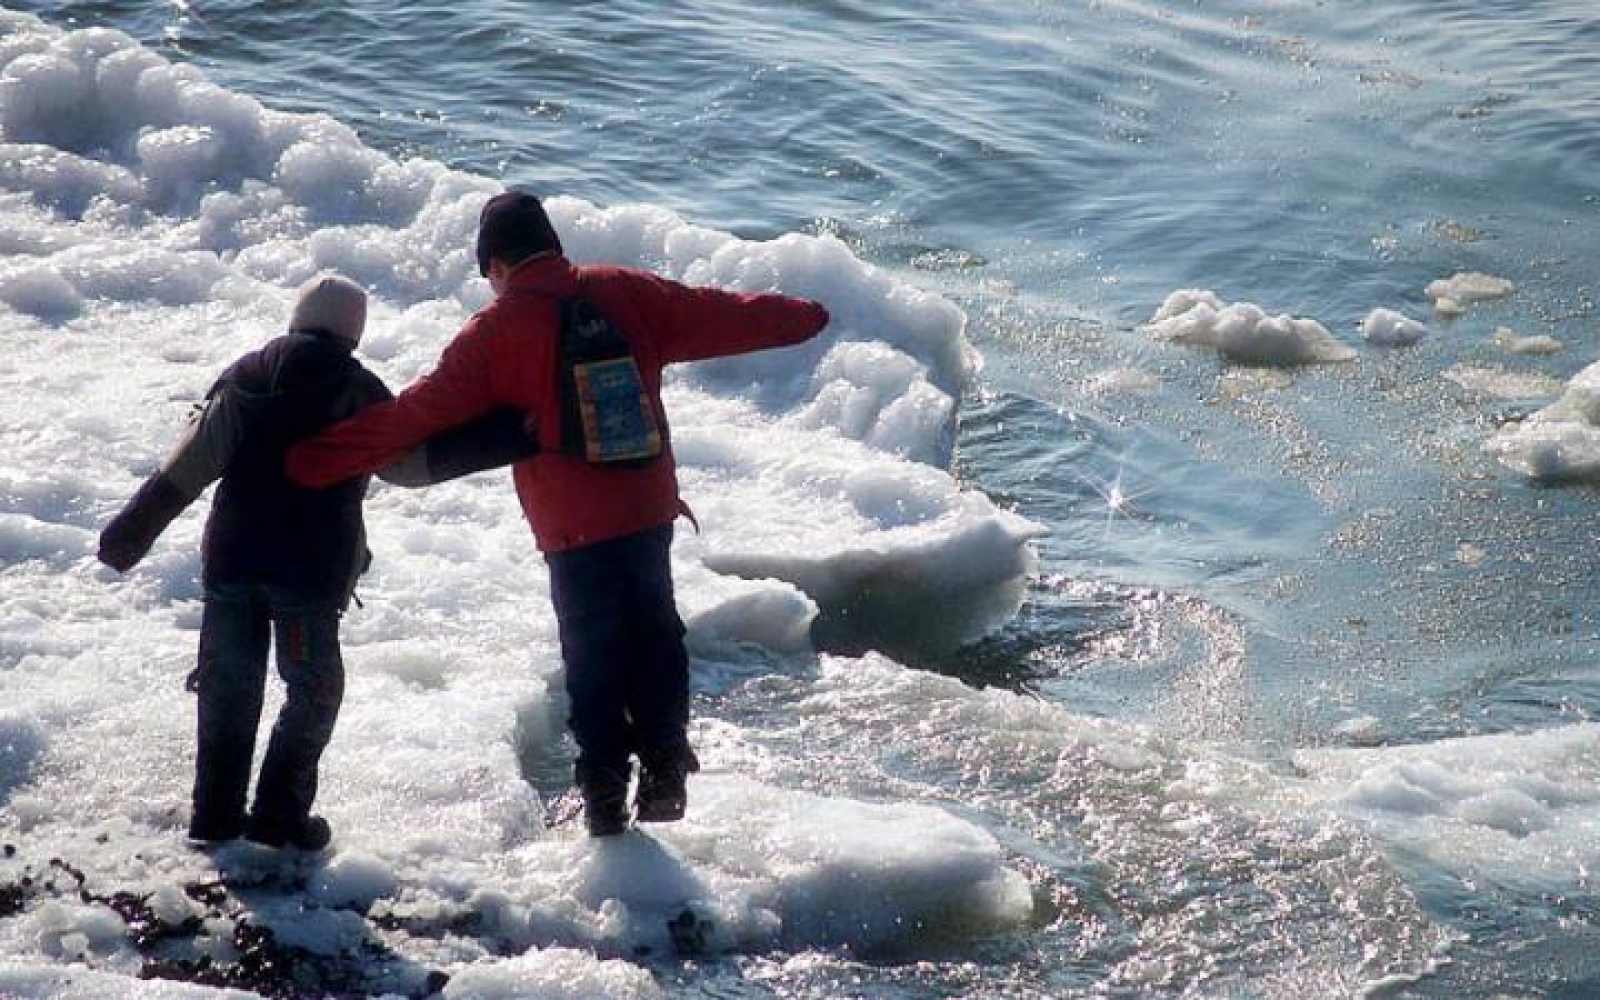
(1171, 574)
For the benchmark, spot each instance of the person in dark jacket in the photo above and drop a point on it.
(280, 562)
(604, 526)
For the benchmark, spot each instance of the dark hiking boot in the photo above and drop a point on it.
(605, 799)
(663, 787)
(309, 834)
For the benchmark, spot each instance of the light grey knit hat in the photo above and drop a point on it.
(333, 304)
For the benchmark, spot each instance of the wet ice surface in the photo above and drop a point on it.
(158, 225)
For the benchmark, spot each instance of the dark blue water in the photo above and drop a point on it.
(1240, 558)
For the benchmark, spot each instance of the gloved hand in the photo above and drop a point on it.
(129, 535)
(122, 544)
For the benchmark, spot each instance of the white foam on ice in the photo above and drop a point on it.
(1243, 332)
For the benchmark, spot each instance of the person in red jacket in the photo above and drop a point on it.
(580, 350)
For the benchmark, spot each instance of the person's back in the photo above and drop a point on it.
(263, 527)
(279, 564)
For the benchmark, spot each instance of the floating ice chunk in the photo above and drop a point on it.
(1363, 730)
(1448, 308)
(1496, 383)
(767, 867)
(721, 610)
(1561, 441)
(1523, 808)
(896, 556)
(552, 974)
(1508, 339)
(1392, 329)
(1243, 332)
(868, 875)
(1451, 295)
(1548, 450)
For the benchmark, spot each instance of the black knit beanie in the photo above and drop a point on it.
(513, 226)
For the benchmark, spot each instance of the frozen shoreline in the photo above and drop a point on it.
(156, 224)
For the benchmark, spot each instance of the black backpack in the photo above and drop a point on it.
(607, 415)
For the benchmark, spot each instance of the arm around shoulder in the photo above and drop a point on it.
(455, 392)
(499, 438)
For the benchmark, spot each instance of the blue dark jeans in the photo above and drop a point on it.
(238, 623)
(622, 642)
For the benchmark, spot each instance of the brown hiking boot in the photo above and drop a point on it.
(663, 786)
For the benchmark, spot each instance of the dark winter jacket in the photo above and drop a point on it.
(263, 528)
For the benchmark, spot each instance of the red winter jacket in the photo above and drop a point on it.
(506, 356)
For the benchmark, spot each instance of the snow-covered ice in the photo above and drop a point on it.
(1522, 809)
(155, 226)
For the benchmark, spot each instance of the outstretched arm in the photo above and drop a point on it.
(713, 322)
(199, 460)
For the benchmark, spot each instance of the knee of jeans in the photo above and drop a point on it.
(230, 699)
(323, 689)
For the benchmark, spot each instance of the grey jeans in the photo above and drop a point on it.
(238, 623)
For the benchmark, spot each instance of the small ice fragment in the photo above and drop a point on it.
(1467, 287)
(1508, 339)
(1392, 329)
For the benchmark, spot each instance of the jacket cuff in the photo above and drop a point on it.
(129, 535)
